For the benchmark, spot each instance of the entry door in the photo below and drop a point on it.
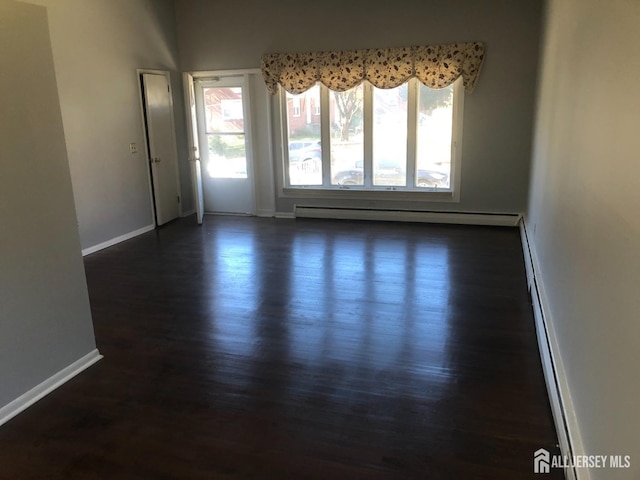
(161, 146)
(225, 142)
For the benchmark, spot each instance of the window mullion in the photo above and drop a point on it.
(367, 118)
(412, 131)
(325, 136)
(456, 135)
(284, 137)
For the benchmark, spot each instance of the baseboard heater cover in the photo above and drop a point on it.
(569, 439)
(464, 218)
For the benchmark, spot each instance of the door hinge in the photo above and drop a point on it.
(178, 198)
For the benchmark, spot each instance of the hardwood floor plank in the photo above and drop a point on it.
(266, 348)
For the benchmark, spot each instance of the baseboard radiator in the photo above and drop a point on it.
(464, 218)
(555, 377)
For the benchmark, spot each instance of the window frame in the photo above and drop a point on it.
(368, 191)
(241, 81)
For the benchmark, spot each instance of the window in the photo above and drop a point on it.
(347, 136)
(295, 104)
(390, 108)
(305, 145)
(371, 139)
(225, 132)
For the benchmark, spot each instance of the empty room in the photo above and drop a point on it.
(319, 239)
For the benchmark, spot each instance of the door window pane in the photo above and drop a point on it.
(347, 137)
(224, 123)
(435, 127)
(390, 136)
(223, 110)
(227, 156)
(304, 144)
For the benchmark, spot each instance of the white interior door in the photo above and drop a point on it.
(194, 146)
(161, 146)
(222, 105)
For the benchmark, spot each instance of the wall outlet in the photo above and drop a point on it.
(133, 148)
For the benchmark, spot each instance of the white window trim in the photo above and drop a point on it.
(341, 192)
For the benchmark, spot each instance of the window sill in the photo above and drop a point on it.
(377, 194)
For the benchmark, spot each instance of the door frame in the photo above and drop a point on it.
(190, 79)
(167, 74)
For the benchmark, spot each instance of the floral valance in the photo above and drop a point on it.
(437, 66)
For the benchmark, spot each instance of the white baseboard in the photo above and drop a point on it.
(462, 218)
(266, 213)
(50, 384)
(114, 241)
(284, 215)
(187, 213)
(562, 408)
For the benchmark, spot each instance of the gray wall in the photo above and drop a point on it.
(498, 115)
(97, 47)
(583, 214)
(45, 321)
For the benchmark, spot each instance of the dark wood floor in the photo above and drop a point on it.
(308, 349)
